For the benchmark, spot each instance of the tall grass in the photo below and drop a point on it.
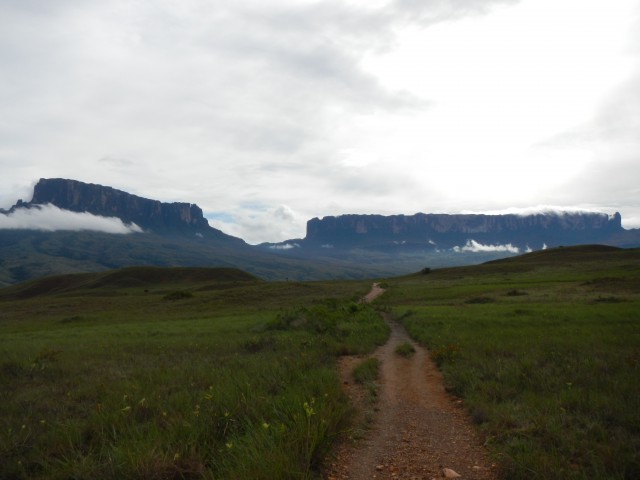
(550, 375)
(209, 385)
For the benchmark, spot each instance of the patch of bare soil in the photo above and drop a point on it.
(418, 432)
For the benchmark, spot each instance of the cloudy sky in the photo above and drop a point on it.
(269, 112)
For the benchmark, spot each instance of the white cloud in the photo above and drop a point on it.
(538, 210)
(285, 246)
(256, 223)
(339, 106)
(475, 247)
(51, 218)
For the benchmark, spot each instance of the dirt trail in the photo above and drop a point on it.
(419, 430)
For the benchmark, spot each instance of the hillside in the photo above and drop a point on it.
(131, 277)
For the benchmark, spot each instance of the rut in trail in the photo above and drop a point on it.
(418, 431)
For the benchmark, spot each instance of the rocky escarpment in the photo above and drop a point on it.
(150, 215)
(442, 230)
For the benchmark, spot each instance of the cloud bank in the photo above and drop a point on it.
(51, 218)
(475, 247)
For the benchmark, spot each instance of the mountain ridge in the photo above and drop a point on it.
(448, 230)
(153, 215)
(345, 246)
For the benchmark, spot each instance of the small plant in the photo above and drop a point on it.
(367, 371)
(405, 349)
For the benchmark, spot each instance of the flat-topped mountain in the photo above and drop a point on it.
(446, 231)
(346, 246)
(104, 201)
(168, 235)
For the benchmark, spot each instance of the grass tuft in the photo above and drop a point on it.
(405, 350)
(367, 371)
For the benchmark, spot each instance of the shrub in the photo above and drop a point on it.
(367, 370)
(405, 349)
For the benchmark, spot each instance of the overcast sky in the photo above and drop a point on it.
(267, 113)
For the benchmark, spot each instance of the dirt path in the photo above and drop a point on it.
(419, 430)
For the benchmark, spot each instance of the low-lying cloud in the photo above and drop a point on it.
(51, 218)
(476, 247)
(285, 246)
(537, 210)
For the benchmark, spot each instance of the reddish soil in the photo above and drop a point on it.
(419, 431)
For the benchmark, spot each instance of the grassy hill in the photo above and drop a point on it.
(140, 277)
(213, 373)
(28, 254)
(545, 351)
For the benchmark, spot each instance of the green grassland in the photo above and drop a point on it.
(213, 373)
(175, 373)
(545, 351)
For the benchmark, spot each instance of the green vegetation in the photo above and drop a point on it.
(405, 349)
(545, 351)
(367, 371)
(209, 373)
(102, 377)
(29, 254)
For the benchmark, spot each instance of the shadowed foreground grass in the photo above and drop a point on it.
(234, 382)
(545, 351)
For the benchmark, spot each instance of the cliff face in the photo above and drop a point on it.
(449, 230)
(106, 201)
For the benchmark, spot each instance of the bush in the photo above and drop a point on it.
(367, 371)
(405, 349)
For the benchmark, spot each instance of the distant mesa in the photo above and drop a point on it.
(511, 233)
(150, 215)
(464, 232)
(345, 246)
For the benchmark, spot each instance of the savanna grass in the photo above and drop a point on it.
(550, 375)
(367, 371)
(405, 350)
(219, 383)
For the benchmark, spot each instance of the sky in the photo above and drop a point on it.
(267, 113)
